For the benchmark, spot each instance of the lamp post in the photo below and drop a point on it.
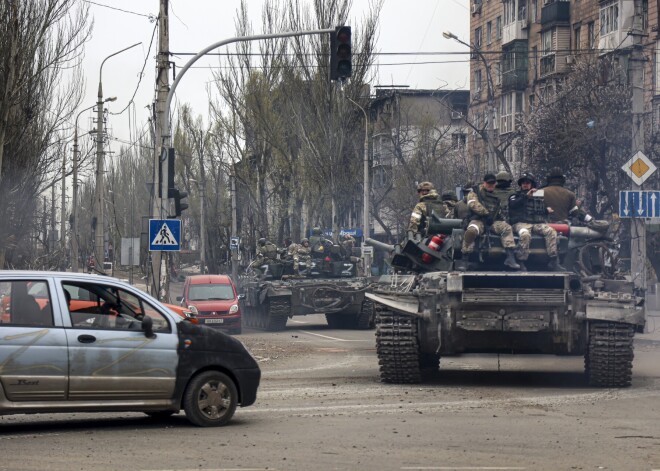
(491, 164)
(99, 251)
(365, 193)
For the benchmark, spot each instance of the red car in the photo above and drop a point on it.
(214, 301)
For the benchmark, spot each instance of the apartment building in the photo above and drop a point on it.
(521, 49)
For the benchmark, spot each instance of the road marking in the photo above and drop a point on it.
(335, 338)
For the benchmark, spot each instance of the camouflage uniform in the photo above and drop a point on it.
(503, 191)
(485, 204)
(428, 203)
(303, 252)
(528, 214)
(347, 244)
(266, 253)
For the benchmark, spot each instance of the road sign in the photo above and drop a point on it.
(639, 204)
(164, 234)
(639, 168)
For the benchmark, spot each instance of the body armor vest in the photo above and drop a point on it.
(532, 211)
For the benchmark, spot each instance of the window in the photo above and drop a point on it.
(96, 306)
(477, 37)
(531, 103)
(489, 32)
(498, 27)
(477, 82)
(511, 106)
(459, 140)
(533, 11)
(535, 55)
(509, 11)
(591, 35)
(609, 18)
(577, 31)
(546, 42)
(26, 303)
(498, 73)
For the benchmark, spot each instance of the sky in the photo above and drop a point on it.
(411, 27)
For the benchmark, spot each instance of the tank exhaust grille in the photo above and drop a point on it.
(536, 296)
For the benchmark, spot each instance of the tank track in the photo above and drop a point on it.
(397, 347)
(277, 314)
(609, 357)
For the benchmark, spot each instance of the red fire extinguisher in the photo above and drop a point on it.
(435, 243)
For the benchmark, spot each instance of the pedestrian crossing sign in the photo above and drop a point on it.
(164, 234)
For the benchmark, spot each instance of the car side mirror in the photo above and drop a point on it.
(179, 298)
(241, 296)
(148, 327)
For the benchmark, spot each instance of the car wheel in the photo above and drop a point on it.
(210, 399)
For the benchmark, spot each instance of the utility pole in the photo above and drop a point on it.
(99, 249)
(637, 225)
(234, 225)
(160, 188)
(202, 214)
(63, 208)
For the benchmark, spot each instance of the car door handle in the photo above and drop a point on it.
(86, 338)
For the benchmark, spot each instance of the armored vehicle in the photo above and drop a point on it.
(328, 284)
(427, 309)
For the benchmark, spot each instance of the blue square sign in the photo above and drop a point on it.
(165, 235)
(639, 204)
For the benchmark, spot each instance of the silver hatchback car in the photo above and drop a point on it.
(88, 343)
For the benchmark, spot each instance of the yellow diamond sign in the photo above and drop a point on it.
(639, 168)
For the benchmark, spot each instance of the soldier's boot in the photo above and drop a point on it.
(554, 265)
(510, 260)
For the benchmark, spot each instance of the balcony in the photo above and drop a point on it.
(515, 79)
(514, 31)
(557, 12)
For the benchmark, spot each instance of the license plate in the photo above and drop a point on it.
(214, 321)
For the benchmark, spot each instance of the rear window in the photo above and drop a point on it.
(210, 292)
(26, 302)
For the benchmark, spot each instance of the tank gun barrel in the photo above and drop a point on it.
(379, 245)
(443, 226)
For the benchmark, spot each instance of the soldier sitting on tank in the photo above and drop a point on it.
(486, 215)
(318, 243)
(266, 253)
(503, 191)
(450, 200)
(461, 208)
(347, 245)
(527, 215)
(302, 253)
(429, 203)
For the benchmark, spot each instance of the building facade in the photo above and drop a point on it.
(521, 49)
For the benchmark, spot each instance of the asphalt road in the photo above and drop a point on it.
(321, 406)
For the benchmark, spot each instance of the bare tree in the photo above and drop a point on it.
(40, 42)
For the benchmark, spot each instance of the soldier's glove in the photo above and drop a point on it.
(488, 220)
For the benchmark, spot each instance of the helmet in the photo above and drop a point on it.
(304, 240)
(503, 176)
(425, 186)
(527, 176)
(262, 241)
(316, 231)
(556, 172)
(449, 196)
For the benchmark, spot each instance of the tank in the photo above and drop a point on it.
(329, 285)
(426, 308)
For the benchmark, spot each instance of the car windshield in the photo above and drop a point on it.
(210, 292)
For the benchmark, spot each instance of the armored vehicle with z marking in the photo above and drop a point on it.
(427, 308)
(327, 283)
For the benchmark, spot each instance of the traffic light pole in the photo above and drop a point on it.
(163, 122)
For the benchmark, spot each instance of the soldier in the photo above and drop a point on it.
(486, 215)
(303, 252)
(503, 191)
(527, 214)
(450, 200)
(562, 200)
(266, 253)
(429, 202)
(347, 243)
(317, 242)
(461, 209)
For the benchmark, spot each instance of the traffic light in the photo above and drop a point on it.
(179, 204)
(341, 66)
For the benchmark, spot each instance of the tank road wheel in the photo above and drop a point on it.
(397, 347)
(365, 318)
(609, 356)
(210, 399)
(277, 314)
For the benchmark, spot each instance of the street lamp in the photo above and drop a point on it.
(491, 166)
(99, 251)
(365, 193)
